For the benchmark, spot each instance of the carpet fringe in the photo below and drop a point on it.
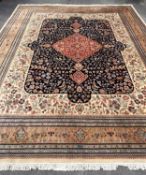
(71, 166)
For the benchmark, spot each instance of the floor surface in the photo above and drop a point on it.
(7, 7)
(119, 171)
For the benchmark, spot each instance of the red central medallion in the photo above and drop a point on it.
(77, 47)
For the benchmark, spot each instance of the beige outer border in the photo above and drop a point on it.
(71, 164)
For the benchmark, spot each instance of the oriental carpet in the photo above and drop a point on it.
(73, 82)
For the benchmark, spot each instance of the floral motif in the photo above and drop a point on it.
(80, 135)
(20, 135)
